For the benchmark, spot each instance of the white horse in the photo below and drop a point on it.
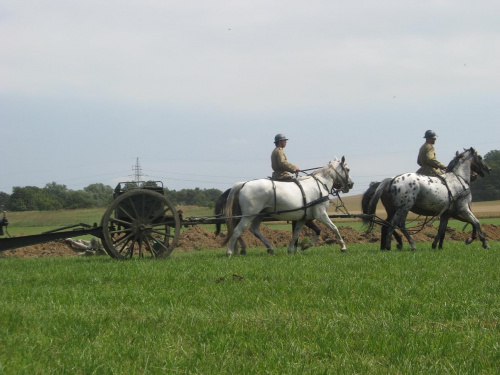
(446, 196)
(252, 200)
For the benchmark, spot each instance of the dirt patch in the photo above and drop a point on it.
(198, 238)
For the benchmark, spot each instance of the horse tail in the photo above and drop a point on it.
(219, 209)
(232, 209)
(370, 200)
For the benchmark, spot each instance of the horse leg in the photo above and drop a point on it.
(243, 246)
(402, 228)
(297, 228)
(398, 218)
(323, 217)
(476, 229)
(408, 237)
(254, 229)
(310, 224)
(469, 240)
(398, 239)
(443, 224)
(388, 230)
(466, 215)
(383, 236)
(237, 232)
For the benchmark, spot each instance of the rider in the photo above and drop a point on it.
(429, 165)
(281, 166)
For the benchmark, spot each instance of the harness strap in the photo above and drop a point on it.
(443, 180)
(310, 204)
(303, 197)
(451, 199)
(321, 198)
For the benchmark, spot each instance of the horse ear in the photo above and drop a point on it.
(456, 154)
(343, 159)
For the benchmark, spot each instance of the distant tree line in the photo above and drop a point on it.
(55, 197)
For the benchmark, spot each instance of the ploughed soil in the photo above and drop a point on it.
(198, 238)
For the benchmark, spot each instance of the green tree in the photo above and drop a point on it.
(4, 201)
(54, 197)
(100, 194)
(78, 199)
(25, 198)
(488, 187)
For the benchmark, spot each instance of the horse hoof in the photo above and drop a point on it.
(270, 251)
(243, 252)
(468, 241)
(228, 254)
(344, 251)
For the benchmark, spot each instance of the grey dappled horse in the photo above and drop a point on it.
(447, 196)
(253, 200)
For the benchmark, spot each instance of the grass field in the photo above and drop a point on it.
(320, 312)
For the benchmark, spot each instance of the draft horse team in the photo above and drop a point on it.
(445, 196)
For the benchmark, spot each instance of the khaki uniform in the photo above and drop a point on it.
(280, 165)
(429, 165)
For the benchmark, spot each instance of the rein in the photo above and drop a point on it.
(344, 179)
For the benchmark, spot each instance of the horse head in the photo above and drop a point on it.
(477, 165)
(340, 175)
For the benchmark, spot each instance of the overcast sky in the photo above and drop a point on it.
(197, 90)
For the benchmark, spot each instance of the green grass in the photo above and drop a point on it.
(319, 312)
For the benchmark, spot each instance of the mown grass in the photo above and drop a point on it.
(319, 312)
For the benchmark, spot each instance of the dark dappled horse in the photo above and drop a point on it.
(447, 196)
(252, 200)
(219, 211)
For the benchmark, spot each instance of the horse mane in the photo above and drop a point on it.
(457, 157)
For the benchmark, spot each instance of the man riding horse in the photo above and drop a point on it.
(281, 172)
(281, 166)
(429, 165)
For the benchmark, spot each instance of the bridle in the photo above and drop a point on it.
(344, 179)
(336, 186)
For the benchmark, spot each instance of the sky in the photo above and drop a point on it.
(195, 91)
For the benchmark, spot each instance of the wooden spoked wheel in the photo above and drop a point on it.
(140, 223)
